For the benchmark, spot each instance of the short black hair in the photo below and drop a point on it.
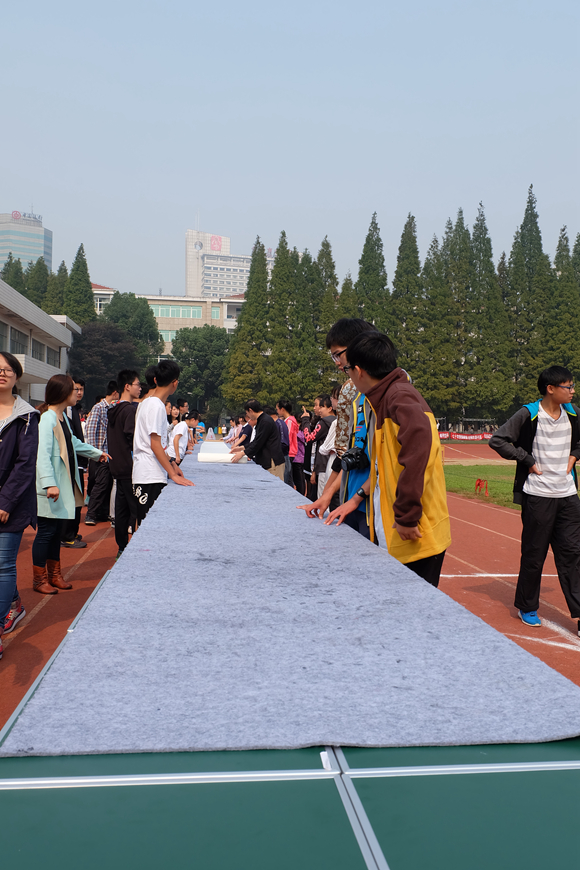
(80, 381)
(346, 330)
(324, 400)
(193, 415)
(270, 411)
(166, 372)
(111, 388)
(144, 389)
(553, 376)
(150, 376)
(126, 376)
(374, 353)
(254, 406)
(284, 403)
(14, 364)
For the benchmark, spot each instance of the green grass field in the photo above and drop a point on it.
(500, 481)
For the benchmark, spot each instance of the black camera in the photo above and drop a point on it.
(354, 459)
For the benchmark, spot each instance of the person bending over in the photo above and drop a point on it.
(409, 504)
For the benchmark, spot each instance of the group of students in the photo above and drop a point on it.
(40, 481)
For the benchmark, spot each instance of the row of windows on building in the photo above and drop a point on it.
(188, 312)
(16, 342)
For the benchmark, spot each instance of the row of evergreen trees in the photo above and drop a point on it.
(473, 336)
(55, 292)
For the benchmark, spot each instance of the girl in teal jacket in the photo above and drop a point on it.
(58, 485)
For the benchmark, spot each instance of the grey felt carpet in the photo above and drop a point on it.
(233, 621)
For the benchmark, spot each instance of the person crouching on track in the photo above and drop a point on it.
(544, 439)
(409, 513)
(58, 485)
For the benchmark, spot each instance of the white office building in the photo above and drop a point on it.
(211, 271)
(25, 238)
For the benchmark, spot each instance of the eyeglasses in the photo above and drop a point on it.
(335, 357)
(346, 369)
(568, 387)
(7, 372)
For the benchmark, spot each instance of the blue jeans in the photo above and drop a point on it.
(9, 545)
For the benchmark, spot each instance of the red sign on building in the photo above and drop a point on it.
(216, 243)
(16, 215)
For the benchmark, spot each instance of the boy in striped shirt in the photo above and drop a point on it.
(544, 439)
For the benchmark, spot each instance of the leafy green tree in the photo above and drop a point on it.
(516, 303)
(347, 301)
(53, 302)
(281, 292)
(13, 275)
(136, 317)
(435, 370)
(536, 353)
(457, 257)
(201, 353)
(36, 280)
(371, 284)
(245, 371)
(79, 303)
(303, 342)
(99, 354)
(486, 370)
(563, 314)
(407, 298)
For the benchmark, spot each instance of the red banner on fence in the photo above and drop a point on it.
(460, 436)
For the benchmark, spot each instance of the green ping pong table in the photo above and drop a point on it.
(461, 807)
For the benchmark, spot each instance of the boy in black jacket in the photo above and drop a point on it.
(544, 438)
(120, 431)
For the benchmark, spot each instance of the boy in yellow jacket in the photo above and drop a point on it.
(409, 504)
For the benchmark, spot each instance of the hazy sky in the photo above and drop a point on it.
(125, 120)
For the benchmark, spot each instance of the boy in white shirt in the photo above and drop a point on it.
(180, 437)
(151, 465)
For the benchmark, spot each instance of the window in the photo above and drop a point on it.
(196, 312)
(215, 313)
(175, 312)
(3, 336)
(53, 357)
(38, 350)
(18, 341)
(168, 334)
(164, 311)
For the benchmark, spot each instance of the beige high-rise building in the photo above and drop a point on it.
(211, 271)
(197, 246)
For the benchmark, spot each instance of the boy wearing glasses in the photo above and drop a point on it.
(544, 439)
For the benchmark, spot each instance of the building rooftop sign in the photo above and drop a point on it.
(17, 215)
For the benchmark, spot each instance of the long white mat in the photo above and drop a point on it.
(233, 621)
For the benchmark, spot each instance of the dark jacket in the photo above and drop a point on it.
(74, 419)
(120, 432)
(18, 449)
(317, 436)
(514, 440)
(266, 444)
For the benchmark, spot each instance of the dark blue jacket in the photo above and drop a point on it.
(18, 449)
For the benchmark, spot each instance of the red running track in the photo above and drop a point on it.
(486, 542)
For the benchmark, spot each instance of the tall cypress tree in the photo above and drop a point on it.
(303, 358)
(37, 281)
(53, 302)
(407, 298)
(458, 260)
(79, 303)
(371, 284)
(281, 293)
(531, 237)
(486, 369)
(576, 259)
(563, 315)
(244, 371)
(347, 301)
(435, 371)
(536, 354)
(517, 302)
(13, 274)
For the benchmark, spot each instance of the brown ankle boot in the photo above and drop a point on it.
(55, 578)
(40, 581)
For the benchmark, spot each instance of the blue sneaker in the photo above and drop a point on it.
(530, 618)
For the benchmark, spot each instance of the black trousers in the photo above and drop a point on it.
(298, 477)
(429, 569)
(46, 544)
(549, 522)
(146, 494)
(126, 510)
(100, 493)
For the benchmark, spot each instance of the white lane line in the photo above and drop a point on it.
(544, 641)
(492, 575)
(511, 512)
(483, 529)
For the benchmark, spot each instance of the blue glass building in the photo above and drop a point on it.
(24, 236)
